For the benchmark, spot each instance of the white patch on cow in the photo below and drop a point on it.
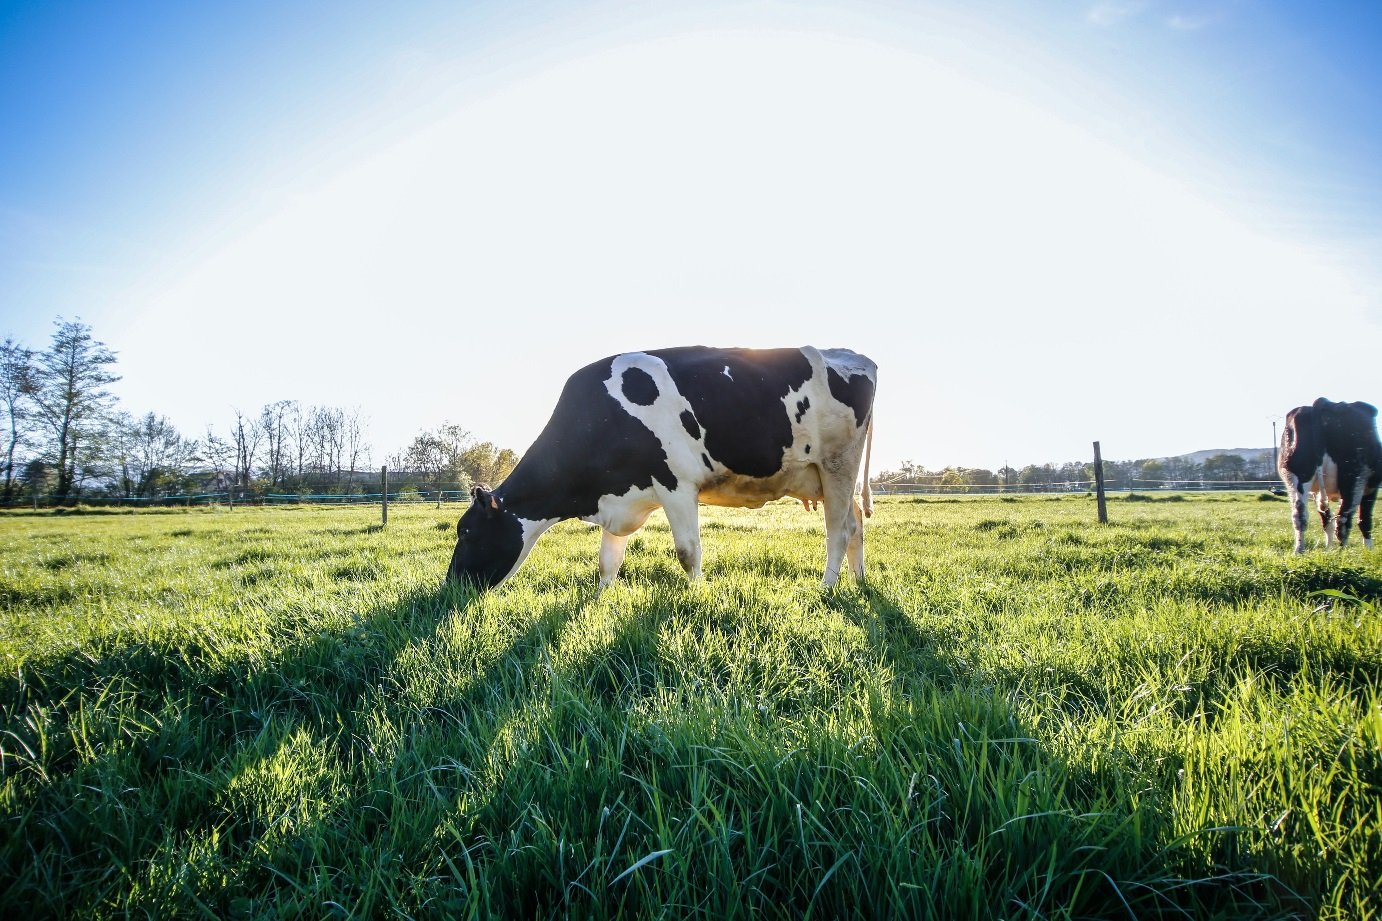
(622, 515)
(1325, 487)
(662, 417)
(727, 374)
(1328, 478)
(532, 530)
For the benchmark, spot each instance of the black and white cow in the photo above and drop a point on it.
(1332, 450)
(674, 428)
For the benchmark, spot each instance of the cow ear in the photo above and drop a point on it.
(485, 500)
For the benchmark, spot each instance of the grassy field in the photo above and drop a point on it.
(266, 713)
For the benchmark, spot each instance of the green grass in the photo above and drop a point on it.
(266, 713)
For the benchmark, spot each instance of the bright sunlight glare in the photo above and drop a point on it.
(759, 188)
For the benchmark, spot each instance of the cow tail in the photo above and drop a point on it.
(867, 495)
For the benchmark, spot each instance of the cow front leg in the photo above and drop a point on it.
(1300, 516)
(612, 548)
(1365, 516)
(684, 518)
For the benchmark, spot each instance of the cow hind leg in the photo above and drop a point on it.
(683, 516)
(1350, 501)
(842, 528)
(1299, 512)
(612, 548)
(854, 550)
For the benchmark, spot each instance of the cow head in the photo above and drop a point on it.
(489, 542)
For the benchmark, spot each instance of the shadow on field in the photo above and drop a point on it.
(913, 653)
(110, 757)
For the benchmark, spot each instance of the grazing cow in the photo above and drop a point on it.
(674, 428)
(1332, 450)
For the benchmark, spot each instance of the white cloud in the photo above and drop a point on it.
(1112, 12)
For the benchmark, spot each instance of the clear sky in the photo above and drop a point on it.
(1156, 224)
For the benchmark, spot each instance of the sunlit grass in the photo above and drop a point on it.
(1022, 714)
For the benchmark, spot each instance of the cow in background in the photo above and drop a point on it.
(1332, 450)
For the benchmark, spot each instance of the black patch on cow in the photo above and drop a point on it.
(591, 447)
(708, 465)
(640, 387)
(802, 406)
(693, 428)
(808, 449)
(856, 393)
(747, 427)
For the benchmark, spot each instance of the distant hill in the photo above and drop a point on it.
(1251, 455)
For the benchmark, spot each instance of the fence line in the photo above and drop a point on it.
(1069, 486)
(226, 498)
(449, 496)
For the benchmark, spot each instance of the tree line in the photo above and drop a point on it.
(68, 440)
(1144, 473)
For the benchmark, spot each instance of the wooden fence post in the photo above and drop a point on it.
(1099, 485)
(384, 493)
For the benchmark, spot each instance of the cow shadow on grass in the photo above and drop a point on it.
(540, 793)
(135, 756)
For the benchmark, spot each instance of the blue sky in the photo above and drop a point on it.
(437, 211)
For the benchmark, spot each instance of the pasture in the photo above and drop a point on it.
(277, 712)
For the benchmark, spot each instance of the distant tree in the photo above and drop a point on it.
(297, 431)
(1225, 467)
(426, 455)
(16, 399)
(245, 436)
(356, 448)
(325, 437)
(1182, 469)
(507, 460)
(1153, 471)
(449, 456)
(119, 440)
(1074, 472)
(218, 454)
(273, 423)
(979, 476)
(70, 380)
(160, 454)
(954, 477)
(485, 463)
(1119, 474)
(1032, 475)
(38, 477)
